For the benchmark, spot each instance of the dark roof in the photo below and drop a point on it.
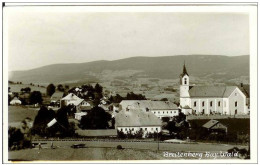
(214, 124)
(245, 88)
(211, 91)
(184, 71)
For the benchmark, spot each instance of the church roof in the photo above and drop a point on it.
(184, 72)
(211, 91)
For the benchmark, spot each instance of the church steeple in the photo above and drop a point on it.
(184, 72)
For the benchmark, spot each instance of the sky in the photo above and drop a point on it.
(39, 38)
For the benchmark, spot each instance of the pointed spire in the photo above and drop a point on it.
(184, 72)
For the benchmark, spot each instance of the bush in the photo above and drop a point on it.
(119, 147)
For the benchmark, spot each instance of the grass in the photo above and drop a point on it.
(18, 113)
(18, 87)
(107, 151)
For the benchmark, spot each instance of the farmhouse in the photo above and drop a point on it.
(227, 100)
(215, 126)
(15, 101)
(134, 120)
(160, 109)
(72, 99)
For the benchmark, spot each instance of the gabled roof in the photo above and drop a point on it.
(151, 105)
(136, 118)
(214, 124)
(70, 96)
(210, 123)
(211, 91)
(57, 95)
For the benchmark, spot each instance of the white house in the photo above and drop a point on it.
(134, 120)
(72, 99)
(228, 100)
(158, 108)
(15, 101)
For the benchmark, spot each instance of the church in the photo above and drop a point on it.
(224, 100)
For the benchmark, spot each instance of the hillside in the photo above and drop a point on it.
(167, 67)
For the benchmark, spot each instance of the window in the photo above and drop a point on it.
(195, 103)
(133, 129)
(163, 112)
(211, 103)
(121, 129)
(235, 94)
(145, 129)
(167, 111)
(185, 80)
(159, 112)
(152, 129)
(156, 129)
(219, 103)
(126, 129)
(236, 104)
(147, 110)
(203, 103)
(141, 129)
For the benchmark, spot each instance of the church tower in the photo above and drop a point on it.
(184, 88)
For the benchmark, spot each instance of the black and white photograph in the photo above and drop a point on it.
(130, 82)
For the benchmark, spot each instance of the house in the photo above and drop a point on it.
(135, 120)
(215, 126)
(79, 115)
(225, 100)
(15, 101)
(72, 99)
(57, 96)
(160, 109)
(86, 106)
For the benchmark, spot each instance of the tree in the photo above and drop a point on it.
(116, 99)
(97, 118)
(41, 120)
(35, 97)
(133, 96)
(98, 88)
(60, 88)
(50, 89)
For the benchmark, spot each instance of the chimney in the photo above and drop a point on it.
(241, 84)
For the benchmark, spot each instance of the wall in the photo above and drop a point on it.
(150, 129)
(238, 96)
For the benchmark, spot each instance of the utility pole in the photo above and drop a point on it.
(157, 140)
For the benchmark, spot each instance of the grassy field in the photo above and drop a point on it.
(18, 87)
(108, 151)
(18, 113)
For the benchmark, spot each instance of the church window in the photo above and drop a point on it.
(194, 104)
(185, 81)
(203, 103)
(236, 104)
(219, 103)
(211, 103)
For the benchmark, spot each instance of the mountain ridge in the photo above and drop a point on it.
(165, 67)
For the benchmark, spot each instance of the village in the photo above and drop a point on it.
(200, 114)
